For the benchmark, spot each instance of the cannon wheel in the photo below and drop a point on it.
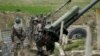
(77, 33)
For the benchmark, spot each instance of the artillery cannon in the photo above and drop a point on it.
(69, 18)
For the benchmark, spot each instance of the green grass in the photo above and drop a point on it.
(26, 9)
(77, 45)
(37, 6)
(29, 6)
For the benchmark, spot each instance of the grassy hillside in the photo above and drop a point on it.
(26, 9)
(37, 6)
(29, 6)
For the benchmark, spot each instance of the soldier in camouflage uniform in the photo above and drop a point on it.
(17, 31)
(37, 27)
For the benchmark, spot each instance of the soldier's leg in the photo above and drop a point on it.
(28, 50)
(31, 41)
(15, 49)
(22, 48)
(39, 49)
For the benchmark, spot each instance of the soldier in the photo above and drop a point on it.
(37, 34)
(17, 30)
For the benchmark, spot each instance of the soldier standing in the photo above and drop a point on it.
(37, 34)
(17, 31)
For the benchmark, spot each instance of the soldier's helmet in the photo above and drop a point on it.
(18, 20)
(35, 19)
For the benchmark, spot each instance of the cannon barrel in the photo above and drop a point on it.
(71, 16)
(81, 12)
(65, 17)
